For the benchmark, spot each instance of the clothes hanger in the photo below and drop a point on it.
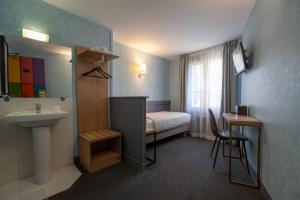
(100, 71)
(96, 69)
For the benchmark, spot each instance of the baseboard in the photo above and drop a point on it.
(201, 135)
(125, 159)
(210, 137)
(263, 189)
(133, 163)
(76, 162)
(265, 193)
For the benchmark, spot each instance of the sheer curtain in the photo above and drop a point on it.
(204, 88)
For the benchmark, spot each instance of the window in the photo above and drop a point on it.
(196, 89)
(205, 81)
(213, 91)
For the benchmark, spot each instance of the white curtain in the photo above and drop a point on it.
(204, 88)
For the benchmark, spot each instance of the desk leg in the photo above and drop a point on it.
(152, 161)
(258, 159)
(155, 147)
(230, 152)
(257, 182)
(243, 131)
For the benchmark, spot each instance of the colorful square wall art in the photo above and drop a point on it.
(14, 90)
(26, 76)
(26, 70)
(14, 75)
(27, 90)
(39, 89)
(38, 71)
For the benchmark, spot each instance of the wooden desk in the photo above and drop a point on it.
(242, 120)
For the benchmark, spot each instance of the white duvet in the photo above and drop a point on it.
(167, 120)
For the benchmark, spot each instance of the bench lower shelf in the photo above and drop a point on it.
(99, 149)
(103, 159)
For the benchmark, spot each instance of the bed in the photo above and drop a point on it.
(166, 123)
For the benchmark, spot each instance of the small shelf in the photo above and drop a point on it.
(105, 154)
(104, 158)
(93, 56)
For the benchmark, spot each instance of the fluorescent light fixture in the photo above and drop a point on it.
(26, 33)
(143, 70)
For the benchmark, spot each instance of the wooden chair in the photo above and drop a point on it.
(223, 136)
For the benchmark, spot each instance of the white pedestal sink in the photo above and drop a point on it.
(40, 124)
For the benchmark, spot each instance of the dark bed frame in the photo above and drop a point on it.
(156, 106)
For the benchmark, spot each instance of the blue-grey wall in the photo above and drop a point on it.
(125, 82)
(272, 90)
(64, 29)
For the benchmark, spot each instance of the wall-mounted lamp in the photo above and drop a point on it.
(143, 70)
(26, 33)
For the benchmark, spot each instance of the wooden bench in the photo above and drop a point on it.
(99, 149)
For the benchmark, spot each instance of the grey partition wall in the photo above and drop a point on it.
(128, 116)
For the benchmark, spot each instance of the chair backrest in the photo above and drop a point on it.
(213, 124)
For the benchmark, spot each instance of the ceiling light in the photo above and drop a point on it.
(26, 33)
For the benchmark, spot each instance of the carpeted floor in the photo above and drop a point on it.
(183, 171)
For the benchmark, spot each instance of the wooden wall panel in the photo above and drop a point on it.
(92, 97)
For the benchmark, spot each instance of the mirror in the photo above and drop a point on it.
(3, 66)
(37, 69)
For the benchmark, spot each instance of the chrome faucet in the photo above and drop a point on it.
(38, 108)
(5, 97)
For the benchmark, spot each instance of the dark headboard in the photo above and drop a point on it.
(156, 106)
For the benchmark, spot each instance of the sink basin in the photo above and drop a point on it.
(33, 119)
(40, 124)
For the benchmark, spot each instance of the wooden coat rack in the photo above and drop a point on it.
(99, 147)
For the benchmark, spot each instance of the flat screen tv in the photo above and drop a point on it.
(3, 66)
(239, 59)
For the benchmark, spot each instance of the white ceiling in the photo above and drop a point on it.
(165, 27)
